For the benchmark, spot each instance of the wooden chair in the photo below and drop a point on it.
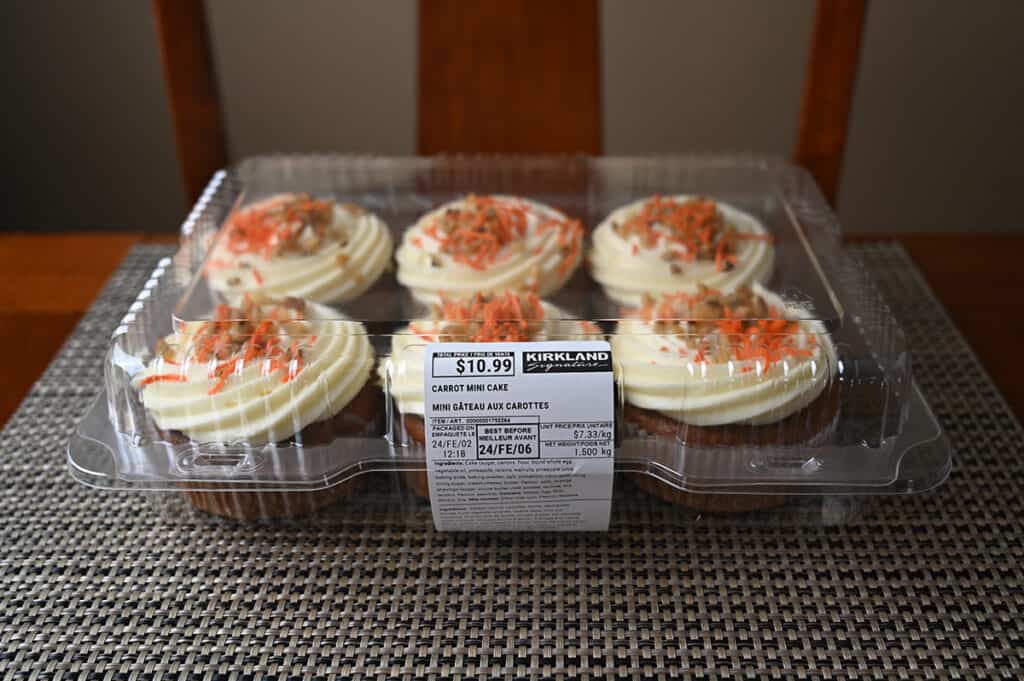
(472, 54)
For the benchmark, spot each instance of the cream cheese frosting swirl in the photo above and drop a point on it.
(295, 245)
(675, 243)
(508, 317)
(739, 358)
(255, 375)
(483, 244)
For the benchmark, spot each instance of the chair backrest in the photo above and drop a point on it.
(472, 61)
(191, 91)
(475, 58)
(828, 90)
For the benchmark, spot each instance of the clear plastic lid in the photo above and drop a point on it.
(282, 347)
(770, 201)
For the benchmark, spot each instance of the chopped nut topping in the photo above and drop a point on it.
(739, 325)
(476, 232)
(693, 230)
(292, 224)
(488, 318)
(274, 333)
(293, 303)
(308, 241)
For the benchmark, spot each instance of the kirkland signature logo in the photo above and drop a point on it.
(570, 361)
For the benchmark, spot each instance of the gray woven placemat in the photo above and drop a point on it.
(98, 585)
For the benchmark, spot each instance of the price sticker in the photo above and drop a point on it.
(450, 364)
(520, 436)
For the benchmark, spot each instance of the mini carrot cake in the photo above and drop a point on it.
(729, 366)
(713, 369)
(484, 318)
(265, 372)
(295, 245)
(482, 244)
(675, 243)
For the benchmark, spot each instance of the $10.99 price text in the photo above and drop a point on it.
(483, 366)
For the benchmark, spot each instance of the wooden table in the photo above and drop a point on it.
(46, 283)
(978, 277)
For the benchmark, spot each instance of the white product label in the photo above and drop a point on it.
(520, 436)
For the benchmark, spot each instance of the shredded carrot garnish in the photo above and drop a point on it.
(477, 233)
(422, 333)
(693, 230)
(156, 378)
(491, 318)
(535, 307)
(569, 236)
(740, 324)
(237, 337)
(277, 226)
(218, 386)
(257, 276)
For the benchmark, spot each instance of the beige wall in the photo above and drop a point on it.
(937, 131)
(702, 76)
(335, 76)
(937, 135)
(87, 135)
(935, 140)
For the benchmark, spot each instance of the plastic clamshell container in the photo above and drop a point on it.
(868, 431)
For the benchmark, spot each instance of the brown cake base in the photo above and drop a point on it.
(805, 426)
(263, 505)
(360, 417)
